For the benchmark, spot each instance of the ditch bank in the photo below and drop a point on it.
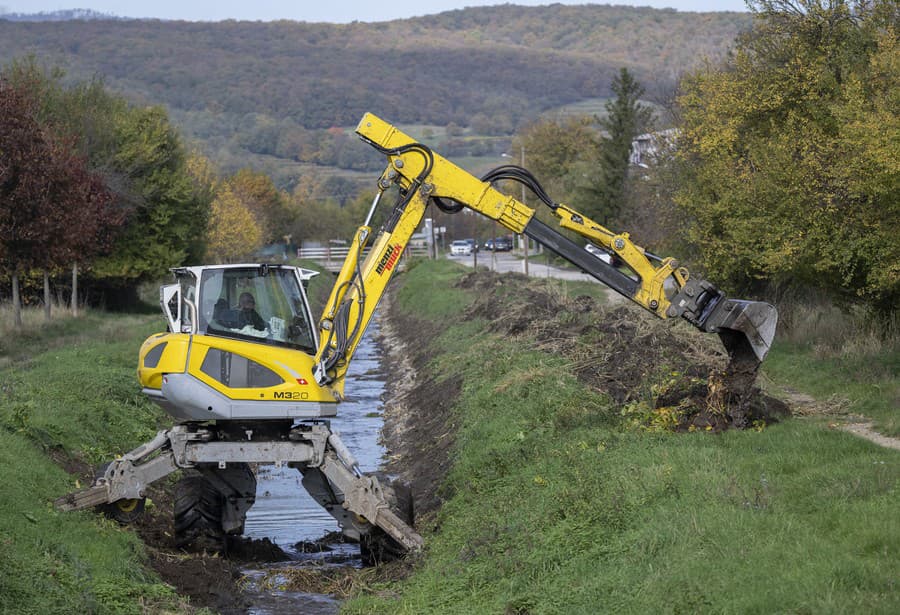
(572, 456)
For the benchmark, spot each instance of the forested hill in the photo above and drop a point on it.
(507, 62)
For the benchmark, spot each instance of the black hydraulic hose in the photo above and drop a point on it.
(339, 330)
(448, 206)
(507, 172)
(406, 196)
(522, 176)
(420, 149)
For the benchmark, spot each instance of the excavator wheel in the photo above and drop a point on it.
(204, 516)
(377, 547)
(198, 514)
(124, 511)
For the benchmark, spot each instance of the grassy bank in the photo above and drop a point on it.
(68, 395)
(554, 505)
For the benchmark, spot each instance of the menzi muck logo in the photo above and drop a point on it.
(389, 258)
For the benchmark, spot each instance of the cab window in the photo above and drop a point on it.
(262, 304)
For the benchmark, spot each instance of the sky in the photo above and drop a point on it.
(336, 11)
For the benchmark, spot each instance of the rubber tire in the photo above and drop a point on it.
(377, 547)
(250, 477)
(198, 515)
(124, 512)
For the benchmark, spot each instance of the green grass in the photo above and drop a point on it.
(79, 390)
(71, 389)
(432, 296)
(858, 383)
(553, 506)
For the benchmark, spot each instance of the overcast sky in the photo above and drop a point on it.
(340, 11)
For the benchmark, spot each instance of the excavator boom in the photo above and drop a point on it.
(660, 285)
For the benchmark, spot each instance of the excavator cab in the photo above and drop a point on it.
(258, 303)
(240, 345)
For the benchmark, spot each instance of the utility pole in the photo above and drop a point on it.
(525, 237)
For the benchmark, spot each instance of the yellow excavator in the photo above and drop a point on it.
(251, 378)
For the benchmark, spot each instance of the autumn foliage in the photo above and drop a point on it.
(53, 210)
(790, 171)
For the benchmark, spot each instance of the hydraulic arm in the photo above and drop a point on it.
(660, 285)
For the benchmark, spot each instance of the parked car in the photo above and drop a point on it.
(472, 243)
(460, 247)
(605, 255)
(499, 244)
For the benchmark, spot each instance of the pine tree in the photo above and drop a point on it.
(626, 117)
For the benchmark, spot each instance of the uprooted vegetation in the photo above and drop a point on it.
(662, 376)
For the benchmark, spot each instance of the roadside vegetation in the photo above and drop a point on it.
(68, 400)
(557, 503)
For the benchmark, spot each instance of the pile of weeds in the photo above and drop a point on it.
(339, 581)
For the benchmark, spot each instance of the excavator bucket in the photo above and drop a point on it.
(746, 327)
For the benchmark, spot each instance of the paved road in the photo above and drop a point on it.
(505, 262)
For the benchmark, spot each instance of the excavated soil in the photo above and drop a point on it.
(631, 356)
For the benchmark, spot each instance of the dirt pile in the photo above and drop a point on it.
(662, 374)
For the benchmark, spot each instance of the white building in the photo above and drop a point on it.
(646, 146)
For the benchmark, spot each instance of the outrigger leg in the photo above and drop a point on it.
(358, 502)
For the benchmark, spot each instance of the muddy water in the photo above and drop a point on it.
(287, 515)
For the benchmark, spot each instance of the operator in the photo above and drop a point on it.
(247, 314)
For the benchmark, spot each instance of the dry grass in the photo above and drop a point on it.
(32, 316)
(339, 581)
(830, 331)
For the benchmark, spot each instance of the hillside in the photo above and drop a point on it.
(271, 88)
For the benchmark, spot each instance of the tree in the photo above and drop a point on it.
(167, 212)
(789, 156)
(626, 117)
(53, 211)
(141, 160)
(556, 152)
(234, 232)
(264, 200)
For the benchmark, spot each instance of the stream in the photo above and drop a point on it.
(284, 512)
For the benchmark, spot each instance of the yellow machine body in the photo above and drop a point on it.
(219, 363)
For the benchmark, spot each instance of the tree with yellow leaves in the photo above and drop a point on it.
(234, 233)
(790, 152)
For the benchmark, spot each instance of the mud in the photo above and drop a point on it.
(419, 427)
(210, 580)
